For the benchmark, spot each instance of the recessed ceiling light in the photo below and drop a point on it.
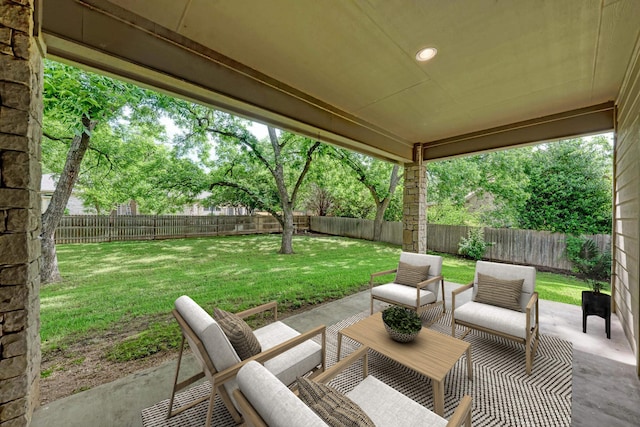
(426, 54)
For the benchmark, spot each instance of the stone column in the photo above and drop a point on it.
(414, 218)
(20, 218)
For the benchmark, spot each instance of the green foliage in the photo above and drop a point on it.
(129, 157)
(473, 246)
(450, 214)
(589, 262)
(570, 188)
(499, 177)
(379, 178)
(402, 319)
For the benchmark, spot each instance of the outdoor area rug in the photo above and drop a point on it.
(503, 394)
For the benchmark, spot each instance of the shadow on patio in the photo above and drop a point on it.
(605, 387)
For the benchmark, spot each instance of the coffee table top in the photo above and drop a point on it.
(432, 354)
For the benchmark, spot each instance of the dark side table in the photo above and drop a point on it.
(596, 304)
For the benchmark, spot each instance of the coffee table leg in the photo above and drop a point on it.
(438, 397)
(469, 364)
(339, 345)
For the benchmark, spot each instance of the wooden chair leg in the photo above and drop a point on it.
(175, 379)
(177, 386)
(229, 404)
(212, 402)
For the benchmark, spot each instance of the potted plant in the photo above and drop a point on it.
(402, 324)
(594, 267)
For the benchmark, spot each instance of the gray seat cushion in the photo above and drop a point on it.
(499, 319)
(403, 294)
(292, 363)
(388, 407)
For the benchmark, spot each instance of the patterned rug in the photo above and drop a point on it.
(503, 394)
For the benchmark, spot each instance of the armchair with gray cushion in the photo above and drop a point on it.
(286, 353)
(417, 285)
(265, 401)
(504, 303)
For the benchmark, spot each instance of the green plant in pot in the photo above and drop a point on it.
(594, 267)
(402, 324)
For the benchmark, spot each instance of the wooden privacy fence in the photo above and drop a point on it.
(102, 228)
(538, 248)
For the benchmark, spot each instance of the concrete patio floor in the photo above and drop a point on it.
(606, 388)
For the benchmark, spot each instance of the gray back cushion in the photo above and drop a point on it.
(433, 261)
(209, 332)
(508, 272)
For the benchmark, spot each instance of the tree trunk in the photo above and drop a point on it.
(286, 246)
(51, 218)
(379, 219)
(382, 205)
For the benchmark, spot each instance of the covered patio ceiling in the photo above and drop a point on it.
(506, 73)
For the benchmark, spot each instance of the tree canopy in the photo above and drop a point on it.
(570, 188)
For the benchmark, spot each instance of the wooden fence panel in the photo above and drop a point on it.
(83, 229)
(538, 248)
(103, 228)
(445, 238)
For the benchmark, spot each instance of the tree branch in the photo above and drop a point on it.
(251, 194)
(247, 143)
(305, 170)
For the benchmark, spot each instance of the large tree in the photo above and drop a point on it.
(497, 181)
(379, 178)
(78, 107)
(570, 185)
(260, 174)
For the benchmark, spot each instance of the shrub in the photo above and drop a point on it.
(473, 246)
(589, 262)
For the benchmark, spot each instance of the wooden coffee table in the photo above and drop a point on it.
(431, 354)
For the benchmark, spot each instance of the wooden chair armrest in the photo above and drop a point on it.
(462, 414)
(428, 281)
(532, 301)
(273, 305)
(229, 373)
(332, 372)
(380, 273)
(459, 289)
(453, 297)
(383, 273)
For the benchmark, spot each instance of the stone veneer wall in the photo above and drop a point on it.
(20, 133)
(414, 218)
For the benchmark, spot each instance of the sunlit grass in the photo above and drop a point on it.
(109, 285)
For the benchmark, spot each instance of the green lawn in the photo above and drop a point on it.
(114, 285)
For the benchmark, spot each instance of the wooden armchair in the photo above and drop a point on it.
(285, 352)
(417, 284)
(265, 401)
(500, 307)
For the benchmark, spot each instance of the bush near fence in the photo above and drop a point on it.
(542, 249)
(103, 228)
